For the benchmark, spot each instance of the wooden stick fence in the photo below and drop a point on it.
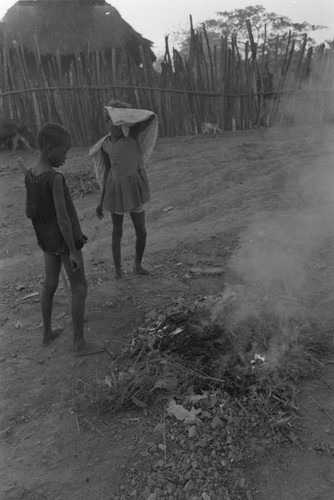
(227, 85)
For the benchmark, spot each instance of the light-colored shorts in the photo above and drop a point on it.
(137, 210)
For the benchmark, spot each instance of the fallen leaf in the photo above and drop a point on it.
(192, 431)
(195, 398)
(181, 413)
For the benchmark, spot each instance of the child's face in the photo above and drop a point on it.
(116, 130)
(57, 154)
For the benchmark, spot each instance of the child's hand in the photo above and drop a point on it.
(74, 261)
(99, 211)
(81, 242)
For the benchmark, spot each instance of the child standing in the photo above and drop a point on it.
(119, 165)
(57, 228)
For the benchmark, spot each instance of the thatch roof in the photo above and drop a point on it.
(67, 25)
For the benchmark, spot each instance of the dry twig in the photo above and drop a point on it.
(164, 437)
(93, 426)
(322, 409)
(74, 409)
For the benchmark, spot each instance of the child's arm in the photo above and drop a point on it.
(139, 127)
(107, 166)
(64, 220)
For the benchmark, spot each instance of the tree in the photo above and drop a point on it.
(270, 30)
(330, 44)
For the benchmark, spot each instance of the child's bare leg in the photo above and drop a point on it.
(52, 271)
(79, 293)
(117, 233)
(138, 220)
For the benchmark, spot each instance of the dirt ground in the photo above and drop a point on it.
(208, 196)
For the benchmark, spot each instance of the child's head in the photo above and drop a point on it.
(54, 141)
(114, 103)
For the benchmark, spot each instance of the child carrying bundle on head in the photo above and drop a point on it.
(119, 165)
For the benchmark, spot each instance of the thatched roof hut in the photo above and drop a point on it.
(65, 26)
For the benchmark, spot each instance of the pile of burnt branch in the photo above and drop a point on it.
(184, 350)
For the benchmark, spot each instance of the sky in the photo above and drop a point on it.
(154, 19)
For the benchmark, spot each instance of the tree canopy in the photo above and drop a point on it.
(269, 29)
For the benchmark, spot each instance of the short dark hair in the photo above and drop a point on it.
(52, 134)
(115, 103)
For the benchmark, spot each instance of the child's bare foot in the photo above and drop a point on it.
(119, 274)
(138, 269)
(87, 348)
(52, 335)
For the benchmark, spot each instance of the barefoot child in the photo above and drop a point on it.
(57, 228)
(119, 165)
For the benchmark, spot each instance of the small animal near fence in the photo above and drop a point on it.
(232, 88)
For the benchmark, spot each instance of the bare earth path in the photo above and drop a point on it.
(206, 192)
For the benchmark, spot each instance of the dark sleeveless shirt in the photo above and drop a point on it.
(42, 212)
